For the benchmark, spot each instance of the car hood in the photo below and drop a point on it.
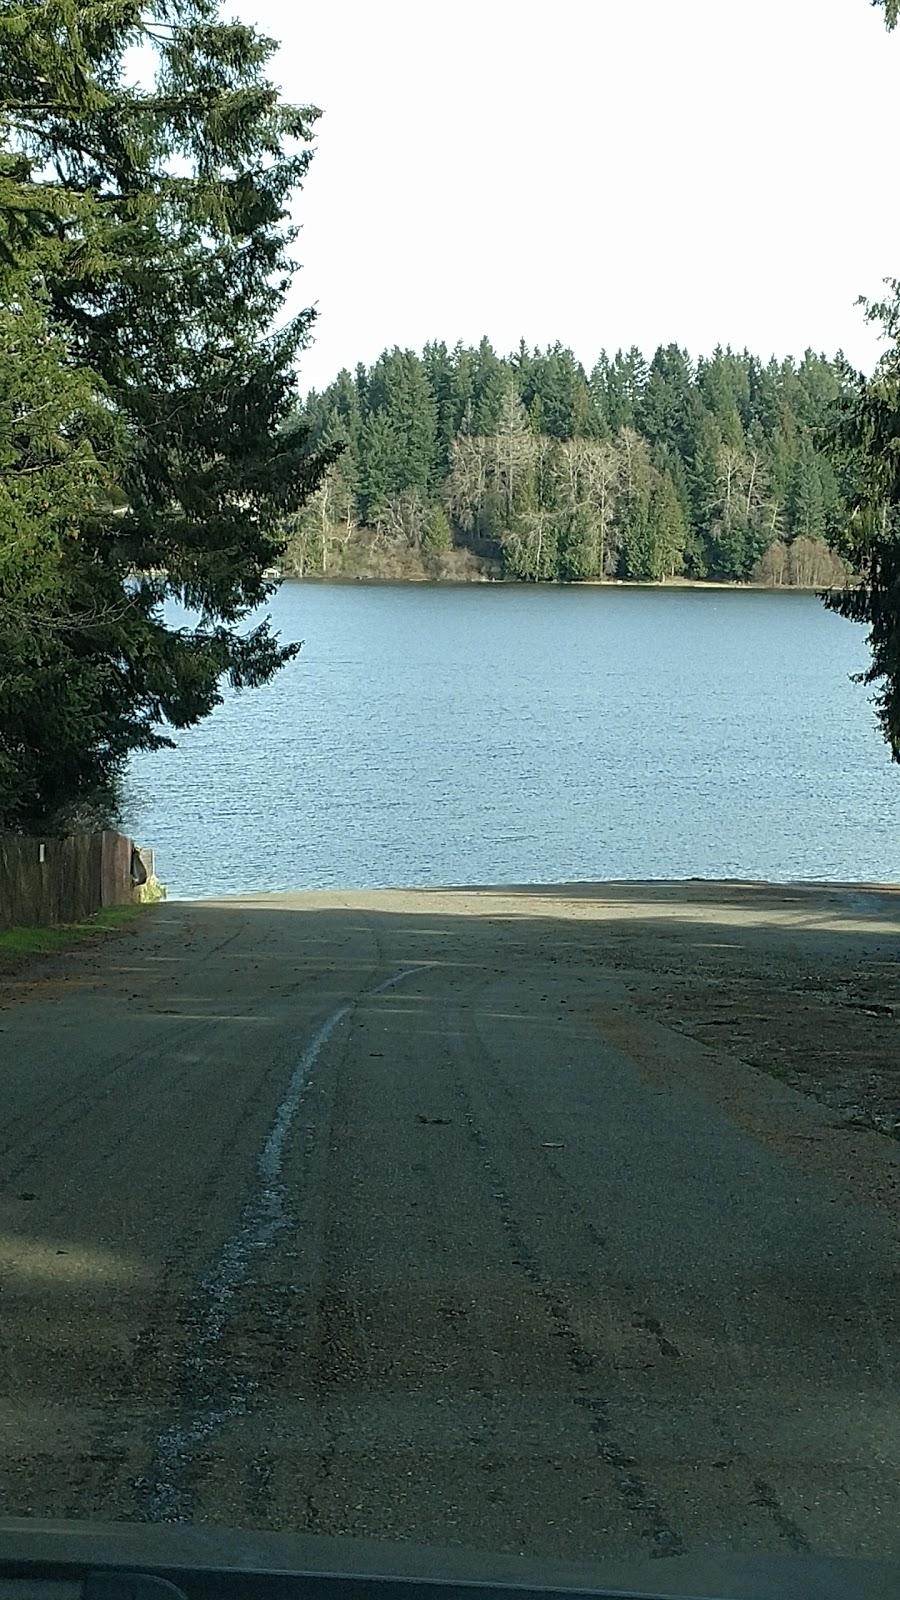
(349, 1569)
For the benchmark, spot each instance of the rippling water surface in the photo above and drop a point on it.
(492, 734)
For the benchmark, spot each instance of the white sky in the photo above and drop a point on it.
(603, 173)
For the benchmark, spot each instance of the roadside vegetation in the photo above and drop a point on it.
(20, 943)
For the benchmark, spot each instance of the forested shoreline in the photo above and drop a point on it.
(461, 463)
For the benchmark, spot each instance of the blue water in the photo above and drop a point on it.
(497, 734)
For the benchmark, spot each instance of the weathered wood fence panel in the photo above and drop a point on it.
(62, 880)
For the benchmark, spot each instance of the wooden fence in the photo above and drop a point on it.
(62, 880)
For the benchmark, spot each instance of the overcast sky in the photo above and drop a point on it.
(604, 173)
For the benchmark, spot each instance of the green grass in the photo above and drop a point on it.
(18, 942)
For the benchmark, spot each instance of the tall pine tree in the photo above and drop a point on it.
(152, 225)
(865, 437)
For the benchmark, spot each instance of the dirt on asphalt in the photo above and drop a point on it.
(557, 1219)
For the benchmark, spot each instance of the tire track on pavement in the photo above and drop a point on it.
(165, 1495)
(641, 1503)
(632, 1487)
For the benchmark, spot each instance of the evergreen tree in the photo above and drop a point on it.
(151, 226)
(864, 437)
(704, 475)
(489, 385)
(399, 390)
(637, 542)
(577, 544)
(656, 532)
(346, 419)
(598, 384)
(667, 528)
(60, 456)
(833, 501)
(865, 441)
(765, 409)
(378, 468)
(556, 393)
(362, 388)
(781, 472)
(818, 388)
(635, 373)
(625, 378)
(669, 412)
(439, 371)
(633, 507)
(806, 504)
(463, 390)
(437, 537)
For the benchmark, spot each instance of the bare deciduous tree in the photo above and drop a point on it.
(405, 518)
(467, 481)
(515, 448)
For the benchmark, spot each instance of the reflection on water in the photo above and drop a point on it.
(494, 734)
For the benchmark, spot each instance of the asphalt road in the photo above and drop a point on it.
(383, 1215)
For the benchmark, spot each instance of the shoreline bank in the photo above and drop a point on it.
(710, 584)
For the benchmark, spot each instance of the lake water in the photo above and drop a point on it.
(499, 734)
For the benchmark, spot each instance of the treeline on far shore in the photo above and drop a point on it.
(462, 463)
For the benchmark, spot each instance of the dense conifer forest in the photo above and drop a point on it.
(540, 470)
